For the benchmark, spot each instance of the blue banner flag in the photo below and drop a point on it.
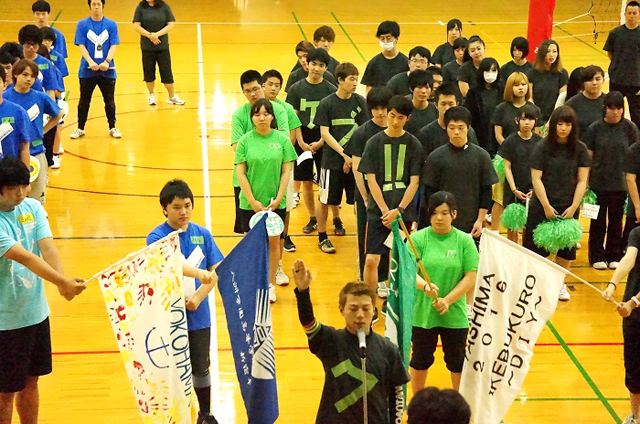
(244, 288)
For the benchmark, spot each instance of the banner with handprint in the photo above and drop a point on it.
(145, 301)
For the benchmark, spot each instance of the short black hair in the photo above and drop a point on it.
(435, 70)
(447, 89)
(420, 78)
(304, 46)
(438, 198)
(6, 59)
(522, 44)
(3, 74)
(379, 97)
(588, 72)
(318, 55)
(268, 106)
(435, 406)
(13, 172)
(632, 4)
(454, 23)
(29, 34)
(272, 73)
(457, 113)
(89, 3)
(249, 76)
(613, 100)
(41, 6)
(47, 33)
(344, 70)
(326, 32)
(172, 189)
(400, 104)
(422, 51)
(388, 27)
(485, 66)
(460, 43)
(529, 111)
(14, 49)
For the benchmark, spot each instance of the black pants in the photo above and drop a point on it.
(631, 93)
(107, 88)
(361, 218)
(48, 140)
(611, 208)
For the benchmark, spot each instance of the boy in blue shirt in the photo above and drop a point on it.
(15, 128)
(36, 103)
(97, 38)
(30, 40)
(29, 255)
(201, 252)
(41, 10)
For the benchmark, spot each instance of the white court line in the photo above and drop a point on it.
(202, 113)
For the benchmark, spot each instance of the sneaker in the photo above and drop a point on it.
(60, 150)
(56, 162)
(469, 312)
(311, 226)
(578, 246)
(600, 265)
(77, 133)
(631, 419)
(376, 317)
(383, 290)
(614, 265)
(288, 244)
(339, 228)
(564, 294)
(175, 100)
(115, 133)
(152, 99)
(281, 277)
(296, 200)
(206, 418)
(315, 178)
(383, 310)
(326, 246)
(272, 294)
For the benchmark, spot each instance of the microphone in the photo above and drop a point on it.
(362, 342)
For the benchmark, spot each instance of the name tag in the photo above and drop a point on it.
(274, 145)
(33, 112)
(5, 130)
(26, 218)
(43, 66)
(8, 120)
(590, 211)
(197, 239)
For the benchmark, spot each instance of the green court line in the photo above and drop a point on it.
(56, 18)
(299, 26)
(582, 41)
(584, 373)
(349, 37)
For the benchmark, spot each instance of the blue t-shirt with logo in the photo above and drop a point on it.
(47, 74)
(196, 237)
(15, 129)
(97, 37)
(22, 298)
(36, 103)
(58, 59)
(61, 43)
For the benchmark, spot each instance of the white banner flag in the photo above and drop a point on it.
(145, 302)
(516, 293)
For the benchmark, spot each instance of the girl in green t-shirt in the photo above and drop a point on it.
(451, 260)
(263, 166)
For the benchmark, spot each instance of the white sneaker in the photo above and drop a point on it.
(56, 162)
(272, 293)
(600, 265)
(115, 133)
(564, 294)
(281, 277)
(152, 99)
(578, 246)
(175, 100)
(631, 419)
(296, 200)
(77, 133)
(614, 265)
(383, 290)
(60, 150)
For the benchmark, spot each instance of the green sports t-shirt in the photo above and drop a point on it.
(241, 124)
(264, 156)
(446, 258)
(292, 118)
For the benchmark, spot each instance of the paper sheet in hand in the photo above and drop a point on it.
(189, 283)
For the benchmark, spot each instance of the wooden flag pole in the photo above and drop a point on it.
(415, 253)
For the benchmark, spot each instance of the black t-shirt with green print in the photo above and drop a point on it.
(305, 98)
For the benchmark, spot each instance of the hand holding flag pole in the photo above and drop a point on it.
(432, 289)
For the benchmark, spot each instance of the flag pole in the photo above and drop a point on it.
(415, 252)
(582, 280)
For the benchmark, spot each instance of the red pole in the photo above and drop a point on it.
(540, 24)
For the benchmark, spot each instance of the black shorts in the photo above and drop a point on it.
(245, 217)
(425, 341)
(631, 336)
(163, 59)
(24, 352)
(375, 235)
(333, 183)
(237, 226)
(304, 171)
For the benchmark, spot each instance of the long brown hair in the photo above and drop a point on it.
(563, 114)
(538, 63)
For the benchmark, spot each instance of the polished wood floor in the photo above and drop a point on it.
(103, 201)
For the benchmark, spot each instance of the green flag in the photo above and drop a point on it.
(402, 285)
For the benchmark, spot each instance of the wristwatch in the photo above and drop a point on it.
(400, 209)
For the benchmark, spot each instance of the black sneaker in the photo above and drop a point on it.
(206, 418)
(288, 244)
(383, 311)
(326, 246)
(376, 318)
(311, 226)
(339, 228)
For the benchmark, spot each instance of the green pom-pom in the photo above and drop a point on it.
(589, 197)
(558, 234)
(514, 217)
(498, 165)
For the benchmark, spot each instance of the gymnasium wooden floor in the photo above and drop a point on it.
(103, 201)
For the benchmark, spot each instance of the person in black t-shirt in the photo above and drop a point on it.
(339, 352)
(424, 112)
(444, 53)
(630, 312)
(482, 100)
(434, 406)
(450, 69)
(383, 66)
(588, 103)
(323, 38)
(467, 74)
(438, 80)
(302, 71)
(418, 60)
(548, 78)
(517, 93)
(559, 173)
(632, 172)
(392, 162)
(608, 140)
(519, 52)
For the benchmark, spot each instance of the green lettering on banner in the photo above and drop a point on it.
(43, 66)
(197, 239)
(8, 120)
(347, 136)
(312, 107)
(346, 367)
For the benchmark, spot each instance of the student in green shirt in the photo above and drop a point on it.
(263, 163)
(451, 260)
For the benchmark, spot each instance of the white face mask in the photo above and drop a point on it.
(386, 46)
(490, 77)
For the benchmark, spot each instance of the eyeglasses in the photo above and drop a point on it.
(419, 61)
